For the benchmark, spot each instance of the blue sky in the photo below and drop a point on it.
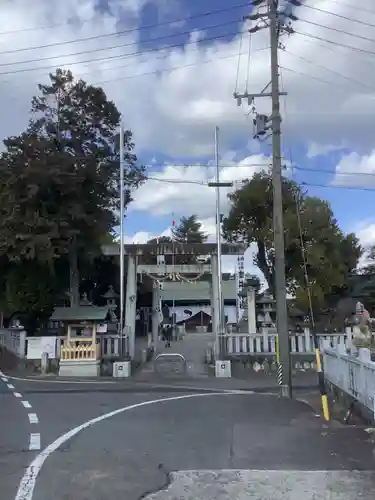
(350, 206)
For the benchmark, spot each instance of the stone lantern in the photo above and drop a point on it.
(111, 297)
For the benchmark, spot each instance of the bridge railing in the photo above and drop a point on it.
(354, 375)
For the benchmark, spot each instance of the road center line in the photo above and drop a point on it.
(26, 404)
(28, 481)
(33, 418)
(34, 443)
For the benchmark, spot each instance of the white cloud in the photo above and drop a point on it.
(356, 170)
(189, 193)
(366, 233)
(191, 101)
(315, 149)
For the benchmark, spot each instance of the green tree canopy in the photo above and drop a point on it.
(189, 230)
(160, 239)
(330, 254)
(59, 179)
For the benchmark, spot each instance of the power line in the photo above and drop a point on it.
(343, 50)
(119, 56)
(122, 32)
(337, 186)
(351, 6)
(340, 16)
(238, 182)
(170, 70)
(292, 166)
(353, 80)
(318, 79)
(337, 30)
(178, 181)
(122, 45)
(159, 71)
(333, 172)
(339, 44)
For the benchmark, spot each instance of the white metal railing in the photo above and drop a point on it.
(14, 340)
(265, 343)
(354, 375)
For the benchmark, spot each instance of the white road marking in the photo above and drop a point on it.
(139, 383)
(4, 379)
(10, 386)
(44, 381)
(17, 394)
(27, 484)
(33, 418)
(26, 404)
(34, 443)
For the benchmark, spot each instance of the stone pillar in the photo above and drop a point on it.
(251, 311)
(131, 303)
(155, 313)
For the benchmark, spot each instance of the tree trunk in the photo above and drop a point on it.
(73, 275)
(265, 268)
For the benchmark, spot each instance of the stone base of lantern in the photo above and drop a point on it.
(79, 368)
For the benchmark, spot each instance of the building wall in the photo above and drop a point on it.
(201, 290)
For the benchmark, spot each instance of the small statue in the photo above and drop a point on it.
(363, 334)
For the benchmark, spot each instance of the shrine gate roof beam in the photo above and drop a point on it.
(175, 249)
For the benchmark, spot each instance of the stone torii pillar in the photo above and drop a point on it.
(155, 320)
(215, 301)
(131, 303)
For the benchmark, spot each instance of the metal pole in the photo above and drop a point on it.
(122, 263)
(278, 224)
(218, 242)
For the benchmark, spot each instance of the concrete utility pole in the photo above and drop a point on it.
(122, 256)
(270, 19)
(220, 312)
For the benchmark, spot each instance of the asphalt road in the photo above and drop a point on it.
(160, 443)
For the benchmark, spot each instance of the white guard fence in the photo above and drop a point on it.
(265, 343)
(352, 374)
(236, 344)
(17, 342)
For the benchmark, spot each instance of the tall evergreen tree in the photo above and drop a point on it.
(189, 230)
(59, 179)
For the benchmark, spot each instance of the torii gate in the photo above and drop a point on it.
(134, 254)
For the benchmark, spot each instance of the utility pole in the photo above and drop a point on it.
(122, 256)
(263, 123)
(220, 312)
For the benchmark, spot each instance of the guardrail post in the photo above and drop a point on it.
(44, 363)
(22, 345)
(307, 334)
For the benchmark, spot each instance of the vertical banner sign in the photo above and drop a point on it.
(240, 279)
